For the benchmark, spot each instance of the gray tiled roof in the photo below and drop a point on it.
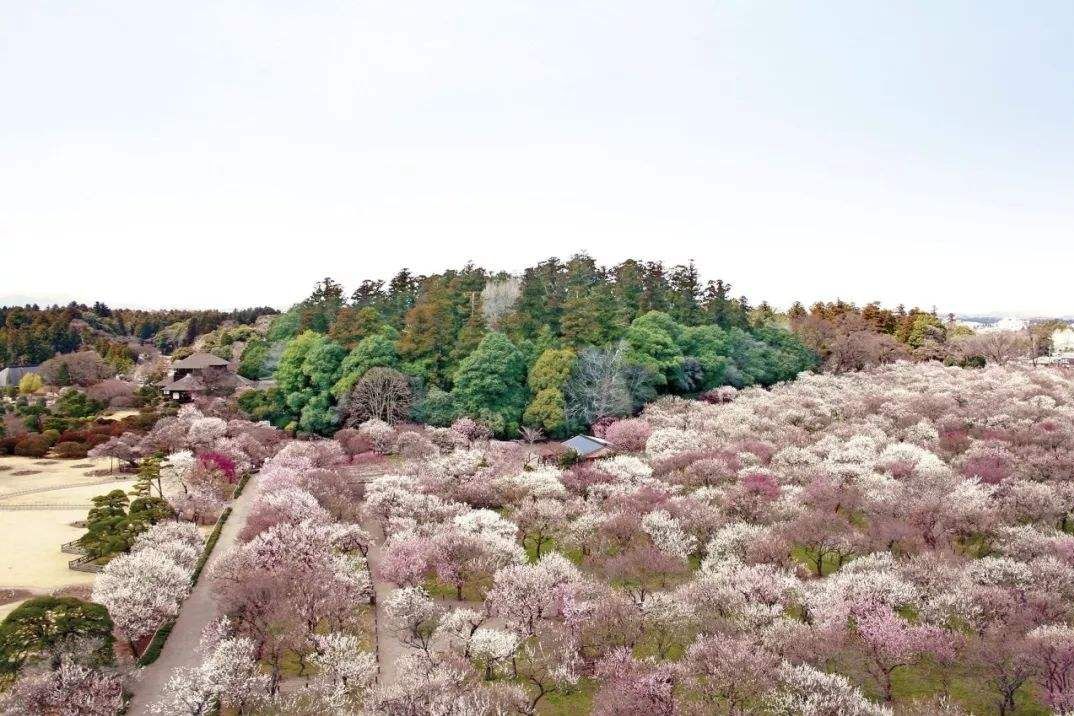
(585, 444)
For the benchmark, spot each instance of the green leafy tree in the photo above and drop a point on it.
(436, 408)
(149, 477)
(267, 405)
(552, 369)
(318, 311)
(308, 370)
(490, 384)
(284, 327)
(377, 350)
(76, 404)
(547, 411)
(107, 528)
(254, 359)
(431, 327)
(37, 627)
(547, 377)
(708, 346)
(145, 512)
(653, 342)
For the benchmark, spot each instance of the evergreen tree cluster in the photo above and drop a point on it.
(565, 344)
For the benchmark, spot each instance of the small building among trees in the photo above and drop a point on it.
(588, 447)
(203, 374)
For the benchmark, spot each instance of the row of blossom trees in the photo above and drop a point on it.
(293, 588)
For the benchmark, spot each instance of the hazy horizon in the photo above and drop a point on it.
(233, 154)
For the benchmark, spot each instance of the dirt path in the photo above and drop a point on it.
(198, 610)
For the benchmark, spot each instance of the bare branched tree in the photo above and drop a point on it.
(598, 387)
(999, 347)
(382, 393)
(498, 298)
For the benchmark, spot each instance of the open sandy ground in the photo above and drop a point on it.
(30, 557)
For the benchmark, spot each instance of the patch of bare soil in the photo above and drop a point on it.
(23, 473)
(46, 462)
(83, 464)
(5, 468)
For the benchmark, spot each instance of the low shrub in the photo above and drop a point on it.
(53, 436)
(72, 450)
(7, 445)
(32, 445)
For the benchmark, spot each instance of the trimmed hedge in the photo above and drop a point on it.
(242, 483)
(210, 543)
(152, 652)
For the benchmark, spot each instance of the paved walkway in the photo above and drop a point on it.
(389, 648)
(198, 610)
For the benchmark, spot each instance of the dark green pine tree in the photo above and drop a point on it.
(684, 297)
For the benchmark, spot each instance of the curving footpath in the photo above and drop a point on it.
(200, 608)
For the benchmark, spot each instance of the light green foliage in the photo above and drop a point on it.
(289, 375)
(284, 326)
(377, 350)
(254, 358)
(30, 383)
(926, 326)
(552, 369)
(309, 368)
(547, 411)
(547, 377)
(489, 385)
(322, 365)
(653, 342)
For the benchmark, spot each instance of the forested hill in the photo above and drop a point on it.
(30, 334)
(562, 345)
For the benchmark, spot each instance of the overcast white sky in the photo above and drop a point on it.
(231, 153)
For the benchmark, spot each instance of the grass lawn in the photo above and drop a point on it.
(579, 701)
(966, 690)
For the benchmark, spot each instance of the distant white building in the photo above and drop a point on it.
(1063, 343)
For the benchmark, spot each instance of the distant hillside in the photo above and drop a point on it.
(31, 334)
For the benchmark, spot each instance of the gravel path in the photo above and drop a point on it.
(198, 610)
